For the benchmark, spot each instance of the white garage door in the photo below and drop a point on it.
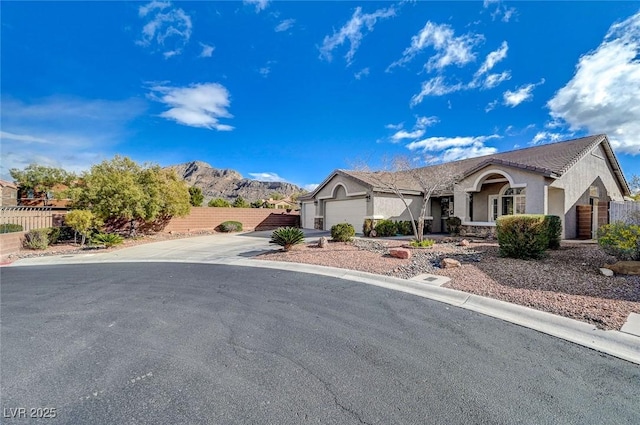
(350, 211)
(308, 215)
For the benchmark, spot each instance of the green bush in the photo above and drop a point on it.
(107, 239)
(425, 243)
(219, 203)
(554, 231)
(342, 232)
(10, 228)
(53, 233)
(367, 227)
(620, 240)
(37, 239)
(230, 226)
(287, 237)
(404, 228)
(522, 236)
(240, 203)
(82, 221)
(386, 228)
(453, 224)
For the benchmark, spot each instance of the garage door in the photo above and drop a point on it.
(308, 215)
(350, 211)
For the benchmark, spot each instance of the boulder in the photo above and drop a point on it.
(402, 253)
(463, 242)
(322, 242)
(449, 263)
(624, 267)
(606, 272)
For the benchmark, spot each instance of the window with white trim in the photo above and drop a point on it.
(514, 201)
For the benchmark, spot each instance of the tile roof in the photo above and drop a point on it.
(552, 159)
(5, 183)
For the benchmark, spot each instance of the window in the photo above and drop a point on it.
(514, 201)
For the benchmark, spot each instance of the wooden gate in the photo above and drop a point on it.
(584, 215)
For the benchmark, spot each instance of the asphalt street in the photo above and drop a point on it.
(180, 343)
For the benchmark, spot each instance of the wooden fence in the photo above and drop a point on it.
(31, 217)
(627, 211)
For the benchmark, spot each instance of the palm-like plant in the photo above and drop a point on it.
(287, 237)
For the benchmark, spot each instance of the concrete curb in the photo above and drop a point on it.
(614, 343)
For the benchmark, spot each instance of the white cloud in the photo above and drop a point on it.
(353, 32)
(403, 134)
(491, 106)
(493, 58)
(435, 87)
(450, 50)
(543, 137)
(260, 4)
(394, 126)
(453, 148)
(424, 122)
(63, 132)
(198, 105)
(265, 71)
(521, 94)
(207, 51)
(267, 177)
(603, 95)
(418, 130)
(310, 187)
(167, 28)
(493, 80)
(362, 73)
(285, 25)
(501, 10)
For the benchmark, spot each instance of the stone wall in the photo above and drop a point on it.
(488, 232)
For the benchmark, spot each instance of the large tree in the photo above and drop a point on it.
(41, 179)
(121, 189)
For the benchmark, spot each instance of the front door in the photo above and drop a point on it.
(493, 208)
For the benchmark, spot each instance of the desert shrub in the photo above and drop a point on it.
(66, 233)
(367, 227)
(522, 236)
(453, 224)
(53, 233)
(620, 240)
(554, 231)
(82, 221)
(287, 237)
(230, 226)
(240, 203)
(10, 228)
(219, 203)
(36, 239)
(342, 232)
(107, 239)
(425, 243)
(404, 228)
(386, 228)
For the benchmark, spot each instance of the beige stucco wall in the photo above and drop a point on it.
(556, 206)
(390, 206)
(592, 170)
(341, 187)
(481, 201)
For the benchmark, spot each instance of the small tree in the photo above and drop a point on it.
(196, 196)
(41, 179)
(219, 203)
(276, 196)
(81, 221)
(634, 185)
(240, 203)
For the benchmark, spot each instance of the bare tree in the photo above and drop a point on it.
(399, 177)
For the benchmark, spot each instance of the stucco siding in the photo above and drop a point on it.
(350, 186)
(481, 201)
(592, 170)
(391, 207)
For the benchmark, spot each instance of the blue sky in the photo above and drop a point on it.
(293, 90)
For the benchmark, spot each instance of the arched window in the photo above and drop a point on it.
(514, 201)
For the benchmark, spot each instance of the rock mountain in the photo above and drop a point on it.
(229, 184)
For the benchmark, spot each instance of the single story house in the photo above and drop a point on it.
(564, 179)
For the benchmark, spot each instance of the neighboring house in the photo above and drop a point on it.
(9, 193)
(559, 178)
(31, 198)
(282, 204)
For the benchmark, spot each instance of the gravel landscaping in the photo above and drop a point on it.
(567, 282)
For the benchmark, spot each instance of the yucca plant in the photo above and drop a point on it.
(107, 239)
(287, 237)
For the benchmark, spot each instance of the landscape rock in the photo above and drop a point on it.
(402, 253)
(449, 263)
(606, 272)
(322, 242)
(464, 242)
(624, 267)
